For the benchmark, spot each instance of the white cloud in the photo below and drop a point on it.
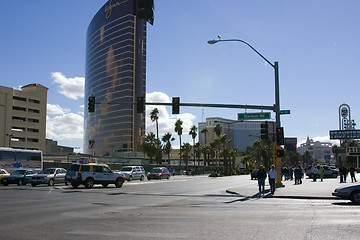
(66, 126)
(70, 87)
(56, 109)
(166, 120)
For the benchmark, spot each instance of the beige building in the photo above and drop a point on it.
(23, 117)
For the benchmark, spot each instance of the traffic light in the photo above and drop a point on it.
(91, 104)
(175, 105)
(280, 136)
(140, 105)
(145, 10)
(264, 131)
(280, 152)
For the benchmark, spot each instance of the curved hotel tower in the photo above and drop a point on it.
(115, 76)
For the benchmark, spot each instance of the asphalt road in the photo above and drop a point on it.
(180, 208)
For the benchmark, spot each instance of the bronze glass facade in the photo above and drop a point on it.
(115, 75)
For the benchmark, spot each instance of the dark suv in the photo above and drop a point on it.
(90, 174)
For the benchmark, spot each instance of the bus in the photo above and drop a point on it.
(12, 159)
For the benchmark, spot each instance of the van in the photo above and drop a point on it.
(133, 172)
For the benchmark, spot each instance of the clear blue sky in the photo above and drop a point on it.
(315, 42)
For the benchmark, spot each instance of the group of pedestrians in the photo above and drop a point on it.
(262, 177)
(343, 171)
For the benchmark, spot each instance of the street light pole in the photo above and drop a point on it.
(276, 68)
(277, 97)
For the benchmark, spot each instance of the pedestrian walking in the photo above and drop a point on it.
(261, 180)
(321, 172)
(298, 175)
(291, 173)
(352, 174)
(272, 178)
(314, 171)
(344, 172)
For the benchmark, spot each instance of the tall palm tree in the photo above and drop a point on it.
(178, 130)
(218, 130)
(204, 131)
(154, 116)
(193, 133)
(335, 150)
(167, 138)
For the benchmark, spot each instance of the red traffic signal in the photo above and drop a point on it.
(280, 152)
(175, 105)
(140, 105)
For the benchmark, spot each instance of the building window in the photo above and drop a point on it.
(19, 98)
(33, 110)
(33, 140)
(18, 129)
(34, 101)
(33, 120)
(19, 108)
(17, 139)
(21, 119)
(33, 130)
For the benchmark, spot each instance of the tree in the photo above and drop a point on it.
(218, 130)
(149, 146)
(178, 130)
(193, 133)
(335, 150)
(186, 149)
(167, 138)
(154, 116)
(197, 152)
(204, 131)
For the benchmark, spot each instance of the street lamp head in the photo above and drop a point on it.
(212, 41)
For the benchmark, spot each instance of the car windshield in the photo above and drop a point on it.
(156, 170)
(126, 169)
(19, 172)
(48, 171)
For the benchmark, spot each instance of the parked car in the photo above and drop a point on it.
(133, 172)
(3, 173)
(19, 177)
(49, 176)
(90, 174)
(350, 192)
(254, 174)
(158, 173)
(328, 172)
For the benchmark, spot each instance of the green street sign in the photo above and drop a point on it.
(253, 116)
(282, 112)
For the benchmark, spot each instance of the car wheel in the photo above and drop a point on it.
(20, 182)
(74, 185)
(51, 182)
(130, 178)
(355, 197)
(148, 179)
(33, 184)
(89, 183)
(5, 184)
(142, 178)
(105, 185)
(119, 182)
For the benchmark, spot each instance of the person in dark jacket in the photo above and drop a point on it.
(261, 180)
(352, 174)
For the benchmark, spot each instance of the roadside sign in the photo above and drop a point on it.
(253, 116)
(344, 134)
(283, 112)
(352, 151)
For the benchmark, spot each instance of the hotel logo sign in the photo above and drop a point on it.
(344, 134)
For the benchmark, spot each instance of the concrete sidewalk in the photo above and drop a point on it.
(307, 190)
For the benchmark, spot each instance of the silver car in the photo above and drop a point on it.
(133, 172)
(49, 176)
(350, 192)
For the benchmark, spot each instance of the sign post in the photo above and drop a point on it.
(253, 116)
